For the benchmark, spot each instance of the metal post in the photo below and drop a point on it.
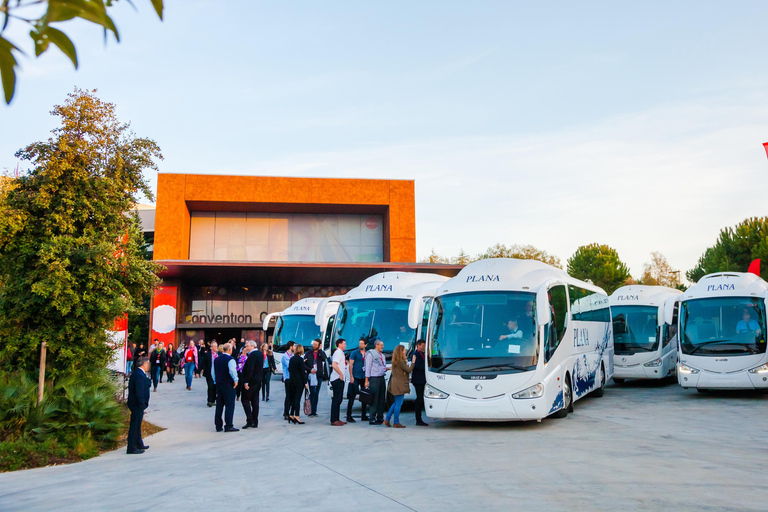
(41, 378)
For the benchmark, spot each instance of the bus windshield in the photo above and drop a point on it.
(635, 329)
(386, 319)
(723, 326)
(491, 332)
(301, 329)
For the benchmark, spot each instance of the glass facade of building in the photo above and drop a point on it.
(239, 236)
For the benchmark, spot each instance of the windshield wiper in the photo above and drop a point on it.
(500, 366)
(712, 342)
(446, 365)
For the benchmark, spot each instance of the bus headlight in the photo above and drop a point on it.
(654, 363)
(430, 392)
(684, 368)
(763, 368)
(531, 392)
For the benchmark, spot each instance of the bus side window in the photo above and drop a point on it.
(328, 333)
(558, 305)
(671, 330)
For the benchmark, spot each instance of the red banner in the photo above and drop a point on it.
(765, 145)
(164, 315)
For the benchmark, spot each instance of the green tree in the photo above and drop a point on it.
(521, 252)
(71, 258)
(43, 33)
(658, 272)
(735, 249)
(599, 264)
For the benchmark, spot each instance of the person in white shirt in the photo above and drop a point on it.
(338, 367)
(514, 332)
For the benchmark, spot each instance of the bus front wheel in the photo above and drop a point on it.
(601, 390)
(567, 398)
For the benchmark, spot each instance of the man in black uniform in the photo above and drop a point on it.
(138, 400)
(253, 374)
(419, 380)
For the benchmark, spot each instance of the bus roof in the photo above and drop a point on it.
(733, 284)
(641, 295)
(391, 285)
(499, 274)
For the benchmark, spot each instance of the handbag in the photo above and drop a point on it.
(366, 397)
(307, 404)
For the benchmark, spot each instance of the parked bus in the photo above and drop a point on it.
(514, 339)
(297, 324)
(378, 308)
(644, 341)
(722, 333)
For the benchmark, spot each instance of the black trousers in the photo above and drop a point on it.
(250, 399)
(211, 389)
(338, 396)
(419, 401)
(134, 431)
(225, 402)
(288, 398)
(265, 384)
(352, 390)
(378, 387)
(297, 391)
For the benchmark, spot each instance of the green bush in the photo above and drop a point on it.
(77, 418)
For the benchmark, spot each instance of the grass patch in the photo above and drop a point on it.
(26, 453)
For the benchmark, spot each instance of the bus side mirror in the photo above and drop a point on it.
(542, 308)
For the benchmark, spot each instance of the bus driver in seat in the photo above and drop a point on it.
(746, 324)
(514, 331)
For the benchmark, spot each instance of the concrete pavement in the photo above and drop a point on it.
(640, 447)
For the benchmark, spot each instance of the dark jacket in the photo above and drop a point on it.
(138, 391)
(223, 377)
(297, 370)
(322, 364)
(153, 359)
(419, 376)
(271, 361)
(253, 369)
(208, 364)
(174, 356)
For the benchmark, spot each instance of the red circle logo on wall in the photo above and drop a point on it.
(371, 223)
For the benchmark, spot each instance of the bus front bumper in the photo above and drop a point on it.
(502, 408)
(639, 371)
(711, 380)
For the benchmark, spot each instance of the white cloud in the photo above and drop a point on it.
(667, 179)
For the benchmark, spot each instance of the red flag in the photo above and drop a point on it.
(754, 267)
(765, 145)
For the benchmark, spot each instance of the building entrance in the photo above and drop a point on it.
(221, 335)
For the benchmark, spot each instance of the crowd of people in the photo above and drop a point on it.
(242, 371)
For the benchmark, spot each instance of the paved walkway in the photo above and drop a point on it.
(643, 446)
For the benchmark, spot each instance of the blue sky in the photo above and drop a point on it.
(553, 124)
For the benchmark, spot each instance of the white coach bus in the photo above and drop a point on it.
(378, 308)
(297, 324)
(722, 333)
(644, 339)
(514, 340)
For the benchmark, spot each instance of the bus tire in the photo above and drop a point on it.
(601, 390)
(618, 381)
(567, 398)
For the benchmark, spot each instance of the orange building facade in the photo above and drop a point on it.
(236, 248)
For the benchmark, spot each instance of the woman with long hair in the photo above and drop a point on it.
(269, 369)
(171, 361)
(398, 385)
(297, 371)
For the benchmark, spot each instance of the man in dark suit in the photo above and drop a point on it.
(138, 400)
(208, 358)
(316, 363)
(419, 380)
(225, 377)
(253, 374)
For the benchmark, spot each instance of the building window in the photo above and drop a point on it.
(235, 236)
